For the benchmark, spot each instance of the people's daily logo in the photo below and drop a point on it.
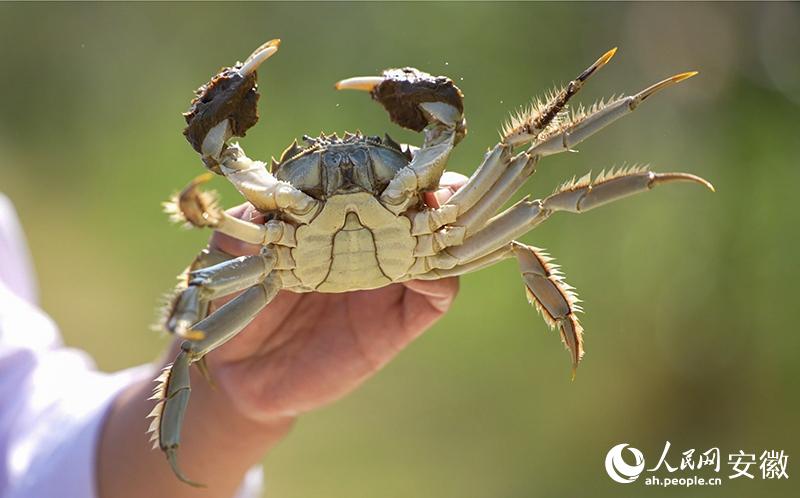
(620, 470)
(691, 467)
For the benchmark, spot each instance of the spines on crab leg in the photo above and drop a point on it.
(553, 298)
(581, 195)
(582, 124)
(525, 125)
(200, 208)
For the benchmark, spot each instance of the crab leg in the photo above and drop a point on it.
(474, 265)
(505, 177)
(582, 126)
(173, 308)
(498, 163)
(576, 196)
(526, 126)
(553, 298)
(519, 170)
(500, 230)
(212, 282)
(200, 209)
(173, 389)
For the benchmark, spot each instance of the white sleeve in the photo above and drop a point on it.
(53, 401)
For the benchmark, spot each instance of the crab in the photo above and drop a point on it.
(346, 214)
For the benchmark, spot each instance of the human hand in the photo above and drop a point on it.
(304, 351)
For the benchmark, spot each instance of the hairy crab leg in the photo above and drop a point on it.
(510, 179)
(498, 160)
(212, 282)
(207, 257)
(494, 164)
(553, 298)
(173, 389)
(529, 123)
(518, 171)
(576, 196)
(583, 125)
(476, 264)
(200, 209)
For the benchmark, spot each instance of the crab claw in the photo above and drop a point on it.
(411, 97)
(226, 106)
(647, 92)
(193, 206)
(259, 55)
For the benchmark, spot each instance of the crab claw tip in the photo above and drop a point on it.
(683, 76)
(173, 462)
(664, 84)
(670, 177)
(602, 61)
(363, 83)
(259, 55)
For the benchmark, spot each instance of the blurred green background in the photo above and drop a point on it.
(689, 295)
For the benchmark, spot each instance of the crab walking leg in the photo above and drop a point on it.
(500, 230)
(553, 298)
(528, 124)
(584, 125)
(476, 217)
(207, 257)
(477, 264)
(201, 209)
(576, 197)
(212, 282)
(494, 164)
(498, 163)
(518, 171)
(173, 389)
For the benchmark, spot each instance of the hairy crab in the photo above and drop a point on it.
(345, 214)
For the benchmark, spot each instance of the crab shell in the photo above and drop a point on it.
(354, 242)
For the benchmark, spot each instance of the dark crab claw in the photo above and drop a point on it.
(226, 106)
(410, 96)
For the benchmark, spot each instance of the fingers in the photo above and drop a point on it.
(233, 246)
(449, 183)
(438, 294)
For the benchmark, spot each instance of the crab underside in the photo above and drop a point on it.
(345, 214)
